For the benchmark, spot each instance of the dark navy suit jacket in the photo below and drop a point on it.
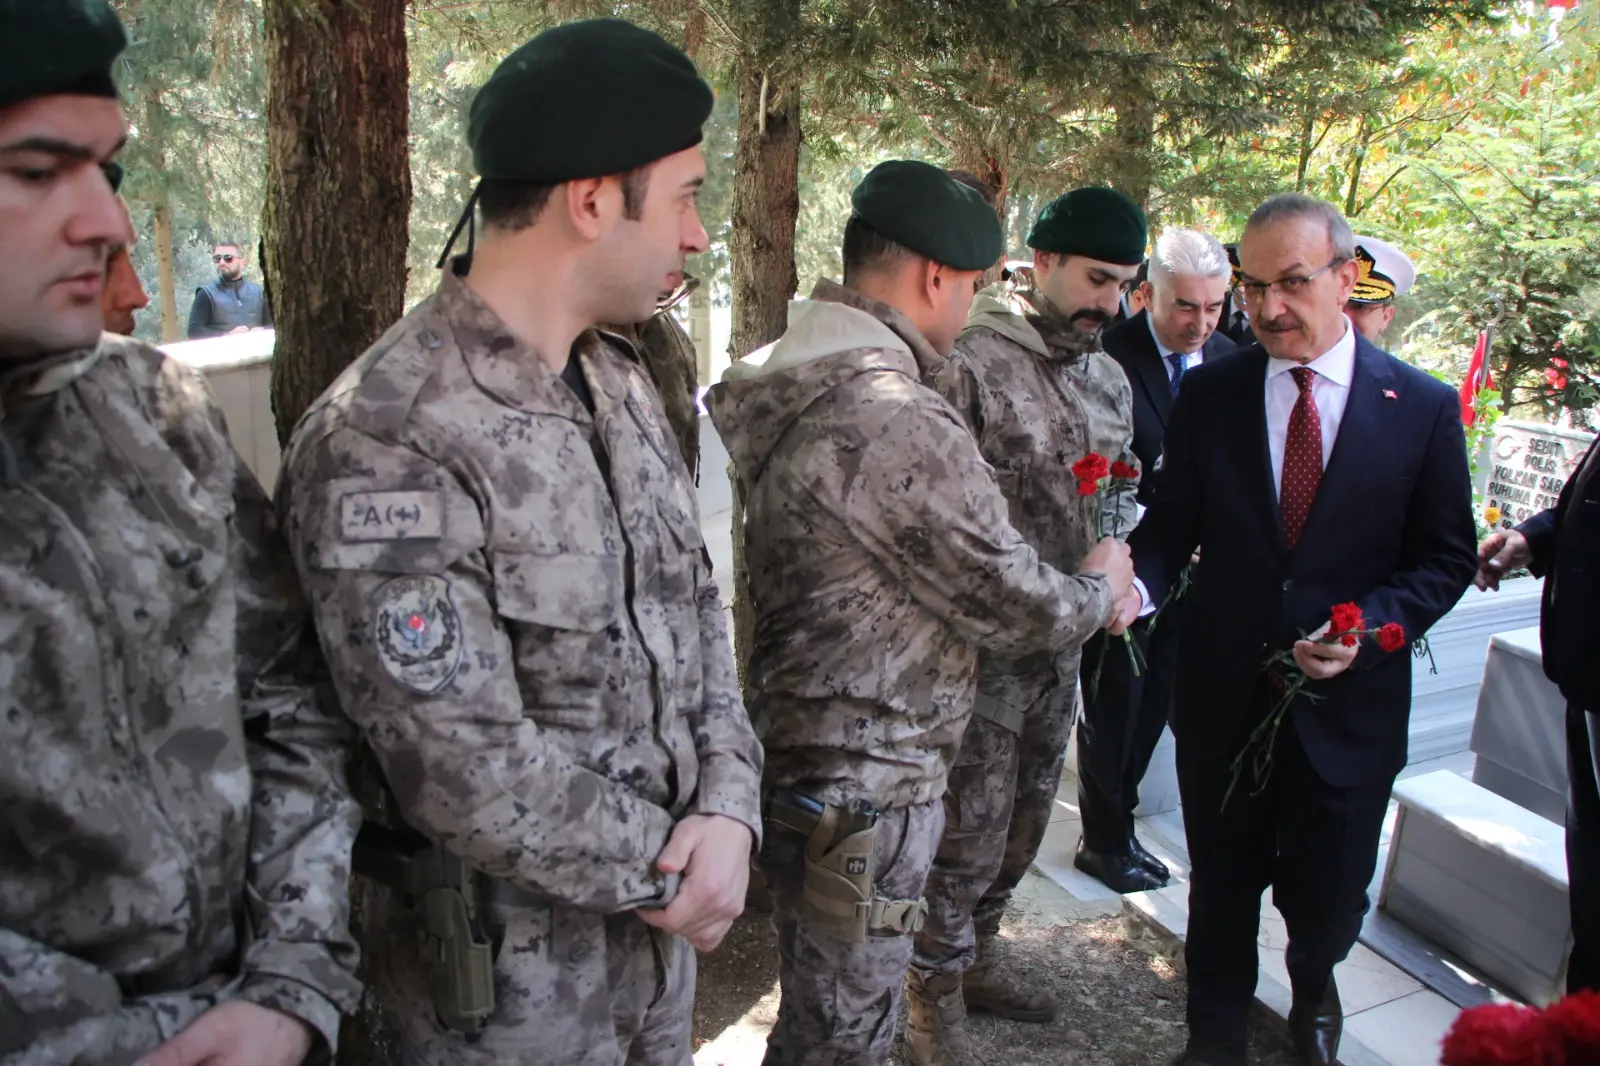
(1391, 529)
(1133, 346)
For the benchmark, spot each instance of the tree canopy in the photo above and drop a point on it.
(1463, 132)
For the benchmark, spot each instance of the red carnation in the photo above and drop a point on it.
(1501, 1034)
(1347, 619)
(1125, 471)
(1577, 1019)
(1088, 488)
(1091, 467)
(1392, 636)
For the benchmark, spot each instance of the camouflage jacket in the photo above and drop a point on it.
(517, 605)
(668, 356)
(1037, 404)
(880, 556)
(177, 827)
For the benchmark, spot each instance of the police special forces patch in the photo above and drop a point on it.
(418, 631)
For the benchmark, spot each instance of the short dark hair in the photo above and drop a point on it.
(975, 183)
(865, 249)
(514, 205)
(235, 245)
(1298, 205)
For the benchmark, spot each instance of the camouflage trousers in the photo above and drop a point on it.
(840, 1002)
(999, 801)
(571, 987)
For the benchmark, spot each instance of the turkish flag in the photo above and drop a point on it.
(1478, 378)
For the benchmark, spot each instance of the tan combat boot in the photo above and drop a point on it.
(986, 987)
(936, 1026)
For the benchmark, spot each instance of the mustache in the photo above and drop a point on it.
(1090, 314)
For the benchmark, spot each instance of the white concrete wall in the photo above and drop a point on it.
(239, 370)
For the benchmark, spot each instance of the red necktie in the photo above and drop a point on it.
(1302, 459)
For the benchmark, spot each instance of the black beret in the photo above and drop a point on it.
(1096, 223)
(921, 207)
(585, 100)
(57, 46)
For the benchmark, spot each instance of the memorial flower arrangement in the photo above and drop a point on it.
(1566, 1033)
(1288, 682)
(1099, 477)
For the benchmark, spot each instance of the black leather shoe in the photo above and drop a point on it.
(1120, 873)
(1315, 1030)
(1147, 860)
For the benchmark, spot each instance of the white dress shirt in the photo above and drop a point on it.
(1330, 391)
(1190, 361)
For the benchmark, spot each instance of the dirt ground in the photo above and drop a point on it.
(1120, 991)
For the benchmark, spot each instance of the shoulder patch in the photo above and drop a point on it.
(418, 632)
(376, 516)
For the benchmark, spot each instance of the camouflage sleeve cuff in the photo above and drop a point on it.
(732, 789)
(288, 996)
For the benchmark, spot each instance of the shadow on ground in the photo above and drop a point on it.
(1121, 995)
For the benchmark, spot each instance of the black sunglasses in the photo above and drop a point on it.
(225, 258)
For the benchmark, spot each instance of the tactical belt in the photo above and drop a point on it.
(840, 893)
(1008, 718)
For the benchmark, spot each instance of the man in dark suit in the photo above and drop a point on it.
(1316, 470)
(1123, 712)
(1235, 321)
(1562, 545)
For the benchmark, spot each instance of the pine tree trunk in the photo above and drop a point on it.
(766, 204)
(167, 275)
(338, 195)
(338, 201)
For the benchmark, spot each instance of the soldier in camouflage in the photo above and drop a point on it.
(499, 539)
(880, 561)
(174, 864)
(1029, 379)
(667, 355)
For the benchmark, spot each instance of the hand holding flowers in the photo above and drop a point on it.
(1321, 655)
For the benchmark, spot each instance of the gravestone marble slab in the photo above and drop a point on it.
(1525, 466)
(1519, 730)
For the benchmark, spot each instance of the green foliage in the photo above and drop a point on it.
(195, 97)
(1467, 136)
(1503, 212)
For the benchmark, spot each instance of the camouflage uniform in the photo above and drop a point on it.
(667, 354)
(178, 829)
(880, 560)
(518, 609)
(1038, 396)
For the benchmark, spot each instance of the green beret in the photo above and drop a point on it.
(1095, 223)
(585, 100)
(57, 46)
(921, 207)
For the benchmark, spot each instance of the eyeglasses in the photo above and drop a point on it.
(1287, 287)
(225, 258)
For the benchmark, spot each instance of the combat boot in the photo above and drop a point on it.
(987, 987)
(936, 1025)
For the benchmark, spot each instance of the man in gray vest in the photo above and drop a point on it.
(231, 304)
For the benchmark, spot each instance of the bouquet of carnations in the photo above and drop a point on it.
(1099, 477)
(1566, 1033)
(1288, 683)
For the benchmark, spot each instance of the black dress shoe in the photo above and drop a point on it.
(1120, 873)
(1147, 860)
(1315, 1029)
